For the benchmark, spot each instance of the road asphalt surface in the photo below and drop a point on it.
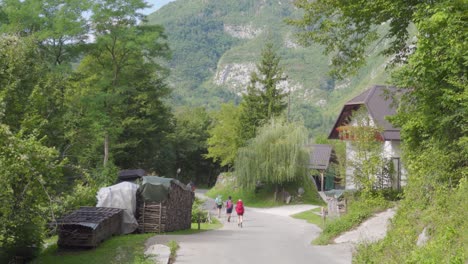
(268, 236)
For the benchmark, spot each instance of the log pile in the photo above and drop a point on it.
(88, 226)
(172, 214)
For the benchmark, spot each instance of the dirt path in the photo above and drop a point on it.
(268, 236)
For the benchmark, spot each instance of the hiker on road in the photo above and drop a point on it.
(240, 212)
(219, 204)
(229, 206)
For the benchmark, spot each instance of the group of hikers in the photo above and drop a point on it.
(229, 206)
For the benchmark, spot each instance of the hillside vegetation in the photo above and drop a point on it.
(216, 43)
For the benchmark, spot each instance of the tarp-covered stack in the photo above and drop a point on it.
(123, 196)
(164, 205)
(88, 226)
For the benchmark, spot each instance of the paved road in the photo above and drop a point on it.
(268, 236)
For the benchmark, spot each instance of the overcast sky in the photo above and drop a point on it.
(156, 4)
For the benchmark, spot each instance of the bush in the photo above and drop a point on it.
(29, 173)
(198, 212)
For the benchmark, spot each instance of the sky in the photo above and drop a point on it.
(156, 4)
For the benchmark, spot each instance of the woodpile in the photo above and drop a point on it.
(88, 226)
(171, 214)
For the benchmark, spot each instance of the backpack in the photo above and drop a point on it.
(229, 204)
(240, 206)
(218, 201)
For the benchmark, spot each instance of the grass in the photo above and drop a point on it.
(358, 212)
(265, 196)
(311, 216)
(119, 249)
(173, 246)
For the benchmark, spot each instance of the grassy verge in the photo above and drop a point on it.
(358, 212)
(311, 216)
(265, 196)
(173, 246)
(125, 249)
(118, 249)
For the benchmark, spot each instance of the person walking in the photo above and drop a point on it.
(240, 212)
(219, 204)
(229, 206)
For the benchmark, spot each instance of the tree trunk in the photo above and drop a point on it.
(106, 149)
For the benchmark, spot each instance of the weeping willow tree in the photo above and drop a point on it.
(276, 156)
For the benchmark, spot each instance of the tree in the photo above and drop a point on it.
(224, 140)
(369, 158)
(29, 173)
(190, 145)
(264, 98)
(276, 156)
(125, 92)
(432, 113)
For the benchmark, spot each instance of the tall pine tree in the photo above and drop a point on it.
(264, 98)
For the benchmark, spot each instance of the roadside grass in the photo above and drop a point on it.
(118, 249)
(265, 196)
(311, 216)
(173, 246)
(124, 249)
(358, 211)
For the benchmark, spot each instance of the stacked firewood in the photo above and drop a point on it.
(172, 214)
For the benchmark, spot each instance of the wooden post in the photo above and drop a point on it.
(321, 182)
(160, 215)
(198, 220)
(324, 215)
(144, 209)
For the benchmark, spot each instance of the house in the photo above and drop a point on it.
(379, 105)
(321, 155)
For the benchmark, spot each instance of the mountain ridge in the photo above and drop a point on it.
(217, 43)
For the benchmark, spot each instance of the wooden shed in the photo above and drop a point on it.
(163, 205)
(88, 226)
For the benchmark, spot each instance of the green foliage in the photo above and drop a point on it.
(118, 249)
(348, 30)
(224, 140)
(29, 173)
(264, 99)
(369, 158)
(275, 156)
(432, 113)
(173, 246)
(190, 144)
(198, 213)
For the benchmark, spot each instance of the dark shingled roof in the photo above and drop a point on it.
(131, 174)
(379, 104)
(320, 155)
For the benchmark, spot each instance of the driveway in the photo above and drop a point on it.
(268, 236)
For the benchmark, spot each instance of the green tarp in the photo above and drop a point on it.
(156, 189)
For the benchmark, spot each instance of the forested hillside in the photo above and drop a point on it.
(216, 43)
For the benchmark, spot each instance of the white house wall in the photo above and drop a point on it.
(391, 149)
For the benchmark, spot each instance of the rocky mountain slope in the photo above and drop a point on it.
(216, 44)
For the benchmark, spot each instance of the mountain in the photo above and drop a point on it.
(216, 44)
